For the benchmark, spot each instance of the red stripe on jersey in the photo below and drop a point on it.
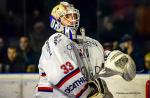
(82, 91)
(43, 74)
(66, 78)
(45, 89)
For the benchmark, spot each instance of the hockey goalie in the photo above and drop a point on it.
(71, 65)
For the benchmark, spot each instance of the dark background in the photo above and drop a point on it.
(111, 22)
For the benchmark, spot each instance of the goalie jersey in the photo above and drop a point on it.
(60, 67)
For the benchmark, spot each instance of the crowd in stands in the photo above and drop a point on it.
(128, 46)
(19, 50)
(21, 39)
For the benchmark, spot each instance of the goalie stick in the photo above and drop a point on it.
(62, 92)
(91, 79)
(88, 72)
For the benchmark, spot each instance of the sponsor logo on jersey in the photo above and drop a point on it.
(75, 84)
(90, 44)
(48, 48)
(92, 74)
(57, 39)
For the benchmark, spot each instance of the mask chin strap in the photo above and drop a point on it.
(70, 32)
(70, 35)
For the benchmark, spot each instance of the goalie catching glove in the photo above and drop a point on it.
(120, 63)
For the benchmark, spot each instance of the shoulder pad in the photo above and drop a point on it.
(56, 42)
(59, 40)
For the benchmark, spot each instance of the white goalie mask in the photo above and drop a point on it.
(64, 18)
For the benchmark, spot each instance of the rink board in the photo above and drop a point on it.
(22, 86)
(124, 89)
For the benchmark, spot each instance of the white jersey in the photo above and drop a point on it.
(60, 67)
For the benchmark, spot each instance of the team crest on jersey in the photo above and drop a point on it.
(70, 46)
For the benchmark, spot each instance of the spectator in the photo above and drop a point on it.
(115, 45)
(127, 46)
(108, 29)
(38, 36)
(108, 46)
(33, 18)
(2, 53)
(36, 16)
(147, 63)
(146, 46)
(13, 26)
(28, 54)
(14, 63)
(142, 20)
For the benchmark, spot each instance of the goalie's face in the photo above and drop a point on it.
(66, 14)
(65, 19)
(70, 20)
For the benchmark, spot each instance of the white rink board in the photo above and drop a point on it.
(22, 86)
(124, 89)
(18, 85)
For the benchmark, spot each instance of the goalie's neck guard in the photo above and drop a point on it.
(56, 25)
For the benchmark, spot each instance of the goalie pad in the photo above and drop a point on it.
(118, 62)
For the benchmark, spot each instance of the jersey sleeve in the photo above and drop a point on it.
(99, 61)
(96, 55)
